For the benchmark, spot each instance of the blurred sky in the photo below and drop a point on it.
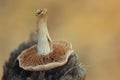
(92, 26)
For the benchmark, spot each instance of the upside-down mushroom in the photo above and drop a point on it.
(46, 54)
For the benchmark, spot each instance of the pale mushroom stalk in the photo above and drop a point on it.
(44, 46)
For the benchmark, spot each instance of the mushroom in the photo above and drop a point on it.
(46, 54)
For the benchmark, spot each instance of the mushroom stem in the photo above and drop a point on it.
(44, 46)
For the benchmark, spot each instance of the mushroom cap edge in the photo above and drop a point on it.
(49, 65)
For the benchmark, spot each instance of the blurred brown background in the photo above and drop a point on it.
(92, 26)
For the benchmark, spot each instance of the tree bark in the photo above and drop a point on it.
(72, 70)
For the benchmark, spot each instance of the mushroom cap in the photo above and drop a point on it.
(30, 60)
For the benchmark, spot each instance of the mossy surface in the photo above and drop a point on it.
(70, 71)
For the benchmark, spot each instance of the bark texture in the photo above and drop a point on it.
(72, 70)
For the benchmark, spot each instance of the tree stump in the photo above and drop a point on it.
(72, 70)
